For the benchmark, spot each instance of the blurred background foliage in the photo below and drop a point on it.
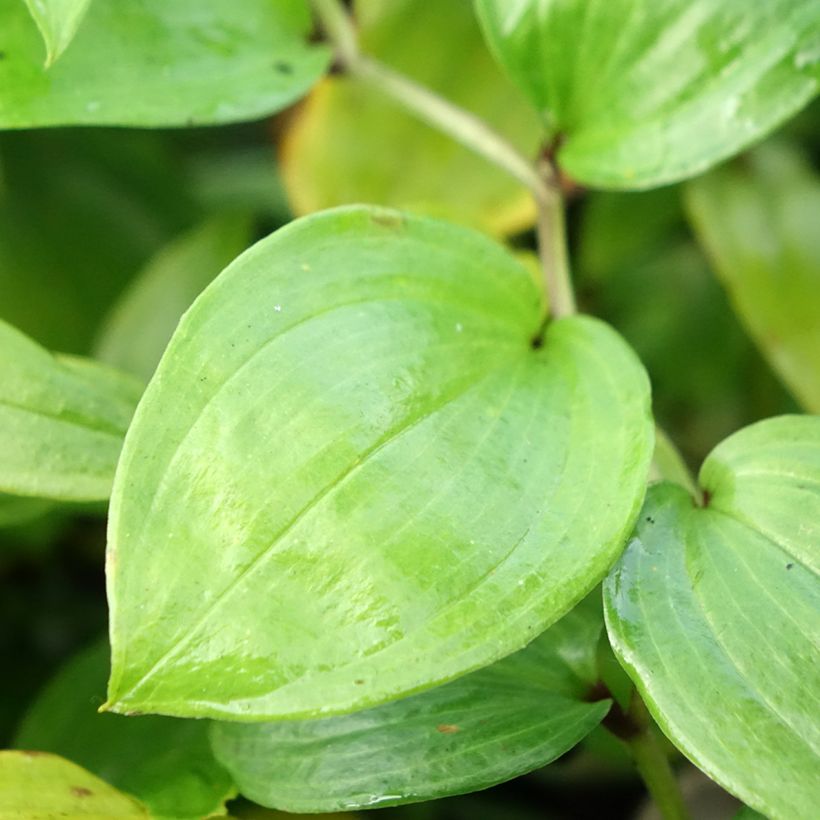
(107, 235)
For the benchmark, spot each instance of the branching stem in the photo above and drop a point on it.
(475, 134)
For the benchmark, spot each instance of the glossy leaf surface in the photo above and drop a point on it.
(643, 94)
(758, 222)
(58, 21)
(494, 724)
(156, 63)
(713, 612)
(165, 762)
(349, 460)
(62, 421)
(38, 786)
(348, 143)
(146, 315)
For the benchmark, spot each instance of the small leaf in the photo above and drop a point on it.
(156, 63)
(62, 421)
(165, 762)
(143, 320)
(348, 143)
(492, 725)
(350, 460)
(41, 786)
(713, 612)
(758, 222)
(58, 21)
(642, 94)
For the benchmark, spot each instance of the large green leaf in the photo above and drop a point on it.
(350, 144)
(158, 63)
(62, 421)
(642, 94)
(758, 222)
(39, 786)
(58, 21)
(713, 612)
(144, 318)
(350, 460)
(494, 724)
(165, 762)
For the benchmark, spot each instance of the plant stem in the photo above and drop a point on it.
(552, 245)
(475, 134)
(653, 765)
(338, 28)
(461, 125)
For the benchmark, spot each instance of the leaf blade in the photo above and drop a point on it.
(716, 622)
(58, 21)
(63, 421)
(644, 97)
(755, 224)
(165, 763)
(482, 729)
(43, 785)
(154, 65)
(347, 405)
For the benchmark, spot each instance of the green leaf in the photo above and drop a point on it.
(643, 94)
(348, 143)
(758, 222)
(146, 315)
(39, 786)
(58, 21)
(713, 612)
(156, 63)
(62, 421)
(165, 762)
(492, 725)
(350, 460)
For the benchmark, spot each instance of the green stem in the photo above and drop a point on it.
(338, 28)
(653, 764)
(552, 245)
(475, 134)
(461, 125)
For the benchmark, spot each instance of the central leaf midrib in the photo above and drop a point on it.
(389, 438)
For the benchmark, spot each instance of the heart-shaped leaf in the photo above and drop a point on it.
(494, 724)
(714, 613)
(42, 786)
(348, 143)
(641, 94)
(165, 762)
(157, 63)
(353, 478)
(62, 421)
(758, 223)
(58, 21)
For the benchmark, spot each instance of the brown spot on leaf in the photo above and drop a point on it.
(81, 791)
(387, 219)
(447, 728)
